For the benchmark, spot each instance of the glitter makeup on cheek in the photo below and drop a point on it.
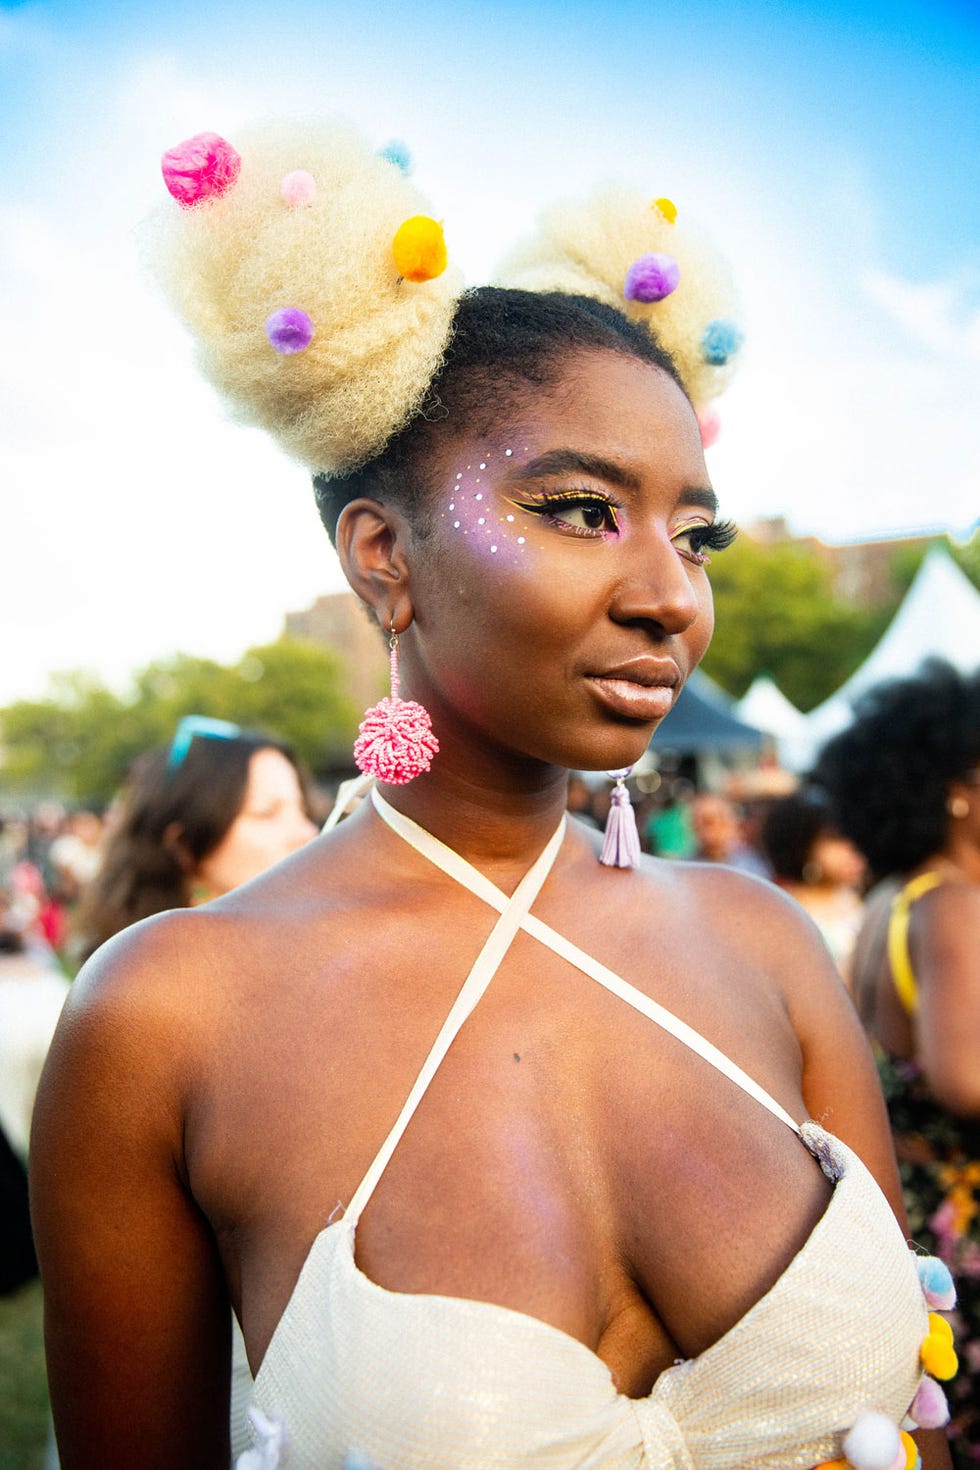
(469, 513)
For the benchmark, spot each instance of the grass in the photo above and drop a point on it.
(23, 1386)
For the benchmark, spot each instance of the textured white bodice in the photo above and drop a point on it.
(357, 1375)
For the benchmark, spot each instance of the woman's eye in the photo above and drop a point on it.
(584, 515)
(694, 539)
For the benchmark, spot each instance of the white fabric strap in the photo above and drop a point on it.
(457, 867)
(513, 912)
(348, 793)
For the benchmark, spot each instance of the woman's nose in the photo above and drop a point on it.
(657, 587)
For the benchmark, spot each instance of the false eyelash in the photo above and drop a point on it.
(547, 503)
(718, 536)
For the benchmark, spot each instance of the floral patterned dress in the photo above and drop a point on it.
(939, 1161)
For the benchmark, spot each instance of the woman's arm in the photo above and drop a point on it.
(136, 1315)
(842, 1091)
(944, 940)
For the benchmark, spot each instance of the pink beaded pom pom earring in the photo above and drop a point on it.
(395, 742)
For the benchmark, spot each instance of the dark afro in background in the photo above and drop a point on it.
(889, 773)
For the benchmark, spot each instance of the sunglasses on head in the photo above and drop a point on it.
(192, 725)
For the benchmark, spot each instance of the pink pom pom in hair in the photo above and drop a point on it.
(200, 168)
(929, 1407)
(298, 188)
(710, 425)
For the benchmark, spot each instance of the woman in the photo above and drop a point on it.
(211, 811)
(815, 864)
(905, 778)
(583, 1236)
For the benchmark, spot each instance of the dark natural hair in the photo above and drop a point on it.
(791, 826)
(889, 773)
(166, 822)
(503, 342)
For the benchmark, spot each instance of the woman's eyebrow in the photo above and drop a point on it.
(575, 461)
(572, 461)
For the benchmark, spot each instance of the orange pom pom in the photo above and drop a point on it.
(667, 208)
(419, 248)
(937, 1352)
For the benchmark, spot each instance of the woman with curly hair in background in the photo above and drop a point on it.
(905, 778)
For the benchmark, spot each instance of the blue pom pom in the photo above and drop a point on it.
(720, 341)
(937, 1282)
(397, 153)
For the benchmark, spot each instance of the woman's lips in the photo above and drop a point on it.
(632, 700)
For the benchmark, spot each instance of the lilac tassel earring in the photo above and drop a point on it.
(395, 742)
(621, 844)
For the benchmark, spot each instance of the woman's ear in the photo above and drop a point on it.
(371, 540)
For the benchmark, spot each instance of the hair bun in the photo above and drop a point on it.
(284, 269)
(643, 257)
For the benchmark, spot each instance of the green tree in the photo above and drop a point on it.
(78, 740)
(776, 613)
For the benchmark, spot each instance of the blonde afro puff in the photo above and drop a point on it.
(279, 253)
(636, 254)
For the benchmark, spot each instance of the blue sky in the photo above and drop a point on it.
(831, 149)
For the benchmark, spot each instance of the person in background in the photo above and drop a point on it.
(818, 866)
(904, 779)
(718, 836)
(217, 808)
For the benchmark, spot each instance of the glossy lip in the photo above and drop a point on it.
(641, 689)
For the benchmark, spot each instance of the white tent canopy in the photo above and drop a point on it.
(939, 617)
(765, 705)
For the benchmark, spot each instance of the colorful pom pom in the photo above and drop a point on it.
(419, 248)
(710, 425)
(937, 1283)
(912, 1457)
(397, 153)
(289, 330)
(929, 1407)
(396, 742)
(937, 1352)
(720, 341)
(200, 168)
(651, 278)
(298, 187)
(667, 208)
(874, 1442)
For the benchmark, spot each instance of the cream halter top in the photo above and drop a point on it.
(357, 1376)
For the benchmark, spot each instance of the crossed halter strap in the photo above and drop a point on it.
(515, 915)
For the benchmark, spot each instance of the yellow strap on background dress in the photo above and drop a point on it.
(899, 959)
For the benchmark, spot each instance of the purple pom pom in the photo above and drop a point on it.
(651, 278)
(289, 330)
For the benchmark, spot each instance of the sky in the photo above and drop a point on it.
(831, 149)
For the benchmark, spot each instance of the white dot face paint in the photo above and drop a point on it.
(483, 515)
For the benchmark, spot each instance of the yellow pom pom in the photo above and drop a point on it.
(667, 208)
(419, 248)
(911, 1449)
(937, 1352)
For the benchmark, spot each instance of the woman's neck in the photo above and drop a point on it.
(499, 822)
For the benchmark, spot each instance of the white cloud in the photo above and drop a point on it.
(933, 314)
